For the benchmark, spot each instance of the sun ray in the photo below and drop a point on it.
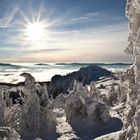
(11, 16)
(25, 18)
(39, 13)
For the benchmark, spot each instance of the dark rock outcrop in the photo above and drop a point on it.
(62, 84)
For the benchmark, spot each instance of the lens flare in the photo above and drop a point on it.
(35, 31)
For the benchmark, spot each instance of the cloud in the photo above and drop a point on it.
(44, 50)
(93, 19)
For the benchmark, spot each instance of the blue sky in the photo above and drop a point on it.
(73, 31)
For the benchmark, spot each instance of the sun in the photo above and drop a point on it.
(35, 31)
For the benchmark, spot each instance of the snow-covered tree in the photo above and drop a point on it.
(31, 105)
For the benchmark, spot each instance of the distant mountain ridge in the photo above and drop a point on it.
(61, 84)
(72, 64)
(9, 65)
(93, 64)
